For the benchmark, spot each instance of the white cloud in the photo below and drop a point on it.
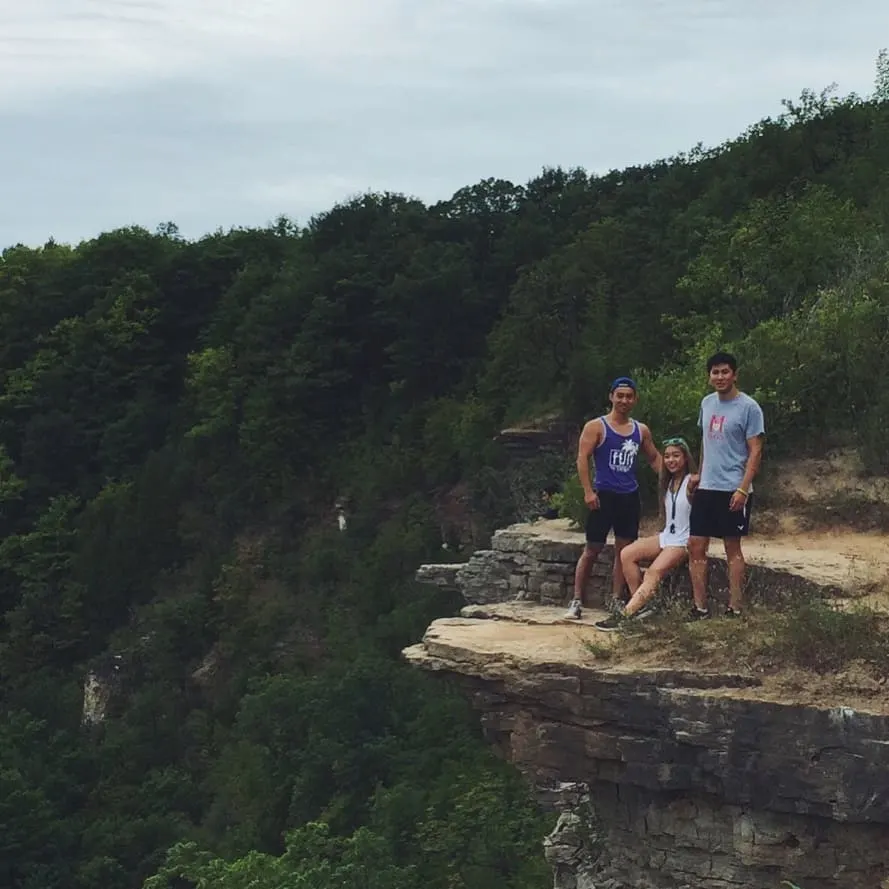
(225, 112)
(49, 45)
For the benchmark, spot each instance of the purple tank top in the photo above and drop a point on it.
(615, 460)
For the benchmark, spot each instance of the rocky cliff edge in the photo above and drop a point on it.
(681, 757)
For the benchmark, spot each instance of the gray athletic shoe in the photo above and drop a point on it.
(575, 610)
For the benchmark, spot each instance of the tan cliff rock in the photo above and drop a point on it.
(667, 773)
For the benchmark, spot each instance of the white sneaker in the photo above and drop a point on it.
(574, 611)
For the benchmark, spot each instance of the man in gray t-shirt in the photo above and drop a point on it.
(732, 430)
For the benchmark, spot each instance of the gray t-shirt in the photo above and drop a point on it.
(726, 426)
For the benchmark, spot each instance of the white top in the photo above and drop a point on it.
(678, 509)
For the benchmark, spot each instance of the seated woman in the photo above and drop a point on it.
(667, 550)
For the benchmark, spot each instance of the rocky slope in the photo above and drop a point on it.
(668, 775)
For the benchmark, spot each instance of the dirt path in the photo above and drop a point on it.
(851, 560)
(813, 526)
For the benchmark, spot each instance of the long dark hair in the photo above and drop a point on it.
(664, 477)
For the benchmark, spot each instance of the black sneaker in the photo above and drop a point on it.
(619, 618)
(697, 614)
(610, 624)
(615, 606)
(730, 612)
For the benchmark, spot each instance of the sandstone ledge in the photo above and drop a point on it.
(534, 562)
(699, 779)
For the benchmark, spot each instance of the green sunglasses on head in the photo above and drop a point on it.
(680, 442)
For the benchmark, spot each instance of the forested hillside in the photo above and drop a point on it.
(179, 418)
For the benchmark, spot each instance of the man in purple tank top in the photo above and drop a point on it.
(613, 442)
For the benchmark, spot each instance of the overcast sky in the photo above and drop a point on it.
(214, 113)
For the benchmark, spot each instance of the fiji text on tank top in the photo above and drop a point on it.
(615, 460)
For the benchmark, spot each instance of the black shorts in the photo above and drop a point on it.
(617, 512)
(711, 517)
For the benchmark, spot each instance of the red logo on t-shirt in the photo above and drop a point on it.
(717, 425)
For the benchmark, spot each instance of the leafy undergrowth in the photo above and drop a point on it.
(601, 651)
(814, 636)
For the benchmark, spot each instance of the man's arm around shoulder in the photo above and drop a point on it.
(649, 448)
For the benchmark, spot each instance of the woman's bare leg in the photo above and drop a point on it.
(631, 555)
(669, 558)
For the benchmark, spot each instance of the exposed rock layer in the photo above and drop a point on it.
(535, 563)
(688, 785)
(663, 778)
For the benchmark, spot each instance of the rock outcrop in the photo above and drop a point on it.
(535, 563)
(101, 690)
(553, 437)
(663, 776)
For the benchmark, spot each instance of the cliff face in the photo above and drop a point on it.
(670, 775)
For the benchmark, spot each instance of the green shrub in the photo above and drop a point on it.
(820, 637)
(872, 431)
(569, 502)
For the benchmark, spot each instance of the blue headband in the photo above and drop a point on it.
(623, 381)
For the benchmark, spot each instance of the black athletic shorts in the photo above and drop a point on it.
(711, 517)
(617, 512)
